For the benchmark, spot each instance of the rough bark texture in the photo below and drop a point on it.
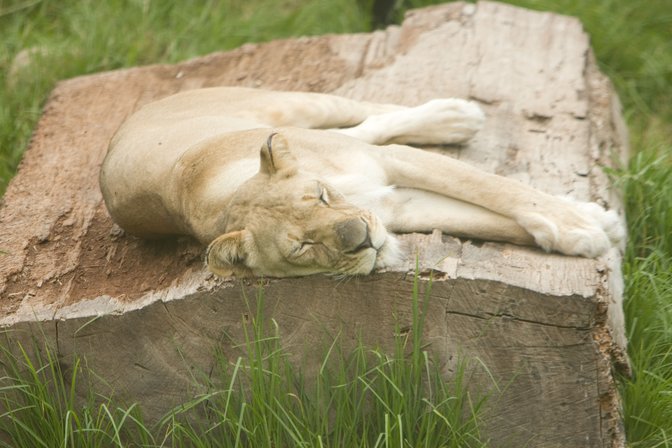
(146, 314)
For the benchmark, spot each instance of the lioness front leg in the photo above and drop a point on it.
(572, 228)
(406, 210)
(440, 121)
(304, 109)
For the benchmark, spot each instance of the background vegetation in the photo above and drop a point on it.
(632, 40)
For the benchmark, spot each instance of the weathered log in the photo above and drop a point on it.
(145, 313)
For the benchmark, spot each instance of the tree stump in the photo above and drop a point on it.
(146, 313)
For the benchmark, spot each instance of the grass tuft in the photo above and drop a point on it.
(365, 397)
(648, 307)
(39, 406)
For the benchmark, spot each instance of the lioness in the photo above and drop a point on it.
(290, 183)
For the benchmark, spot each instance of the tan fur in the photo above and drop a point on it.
(291, 183)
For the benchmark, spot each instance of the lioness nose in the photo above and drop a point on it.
(353, 235)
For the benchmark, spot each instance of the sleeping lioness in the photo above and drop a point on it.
(288, 183)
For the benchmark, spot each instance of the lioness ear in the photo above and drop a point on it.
(276, 157)
(226, 253)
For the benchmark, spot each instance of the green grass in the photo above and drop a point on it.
(365, 398)
(631, 40)
(39, 408)
(648, 275)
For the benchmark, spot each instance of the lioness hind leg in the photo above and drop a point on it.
(441, 121)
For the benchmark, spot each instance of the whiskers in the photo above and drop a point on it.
(355, 267)
(342, 278)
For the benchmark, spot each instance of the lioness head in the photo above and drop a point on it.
(284, 223)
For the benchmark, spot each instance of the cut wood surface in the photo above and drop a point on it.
(146, 314)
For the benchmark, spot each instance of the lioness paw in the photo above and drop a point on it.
(442, 121)
(574, 228)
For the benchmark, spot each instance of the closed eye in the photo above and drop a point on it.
(324, 197)
(303, 246)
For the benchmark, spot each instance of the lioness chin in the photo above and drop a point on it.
(291, 183)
